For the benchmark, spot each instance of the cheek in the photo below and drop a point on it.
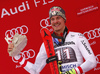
(52, 25)
(51, 22)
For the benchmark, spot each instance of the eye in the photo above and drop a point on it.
(58, 17)
(52, 19)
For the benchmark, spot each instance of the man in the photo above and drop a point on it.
(70, 48)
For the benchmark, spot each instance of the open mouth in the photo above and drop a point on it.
(56, 25)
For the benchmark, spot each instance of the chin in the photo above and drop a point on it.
(56, 30)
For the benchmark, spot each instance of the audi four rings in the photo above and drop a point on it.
(98, 61)
(15, 30)
(26, 55)
(92, 34)
(46, 23)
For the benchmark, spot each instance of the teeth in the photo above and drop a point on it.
(56, 25)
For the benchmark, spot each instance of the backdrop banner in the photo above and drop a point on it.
(27, 17)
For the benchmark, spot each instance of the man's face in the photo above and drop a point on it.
(58, 23)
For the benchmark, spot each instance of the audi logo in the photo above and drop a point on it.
(98, 62)
(97, 58)
(92, 34)
(44, 23)
(20, 30)
(30, 54)
(26, 54)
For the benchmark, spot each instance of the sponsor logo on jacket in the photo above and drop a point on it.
(83, 42)
(69, 43)
(68, 67)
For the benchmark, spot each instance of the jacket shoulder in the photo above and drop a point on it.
(78, 34)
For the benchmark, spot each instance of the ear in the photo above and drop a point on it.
(65, 21)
